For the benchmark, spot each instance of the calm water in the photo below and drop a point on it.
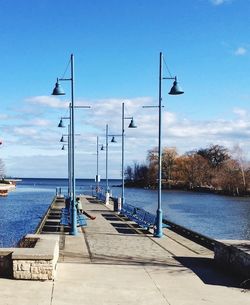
(215, 216)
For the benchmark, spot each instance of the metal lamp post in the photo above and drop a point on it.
(107, 154)
(131, 125)
(61, 124)
(175, 90)
(113, 140)
(97, 163)
(107, 181)
(59, 91)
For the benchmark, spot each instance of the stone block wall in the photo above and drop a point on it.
(38, 263)
(33, 269)
(235, 256)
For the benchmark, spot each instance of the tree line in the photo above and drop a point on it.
(214, 168)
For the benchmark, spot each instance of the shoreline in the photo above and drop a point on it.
(186, 189)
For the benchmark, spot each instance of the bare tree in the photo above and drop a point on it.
(168, 159)
(215, 154)
(128, 173)
(239, 156)
(192, 170)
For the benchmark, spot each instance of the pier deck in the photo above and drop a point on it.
(112, 261)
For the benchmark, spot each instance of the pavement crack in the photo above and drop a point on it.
(87, 245)
(157, 287)
(52, 292)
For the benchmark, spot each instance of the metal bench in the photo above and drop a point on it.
(64, 221)
(149, 219)
(65, 218)
(143, 218)
(139, 217)
(128, 210)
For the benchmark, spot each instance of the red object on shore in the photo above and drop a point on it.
(3, 193)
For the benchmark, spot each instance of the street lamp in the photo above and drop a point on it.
(61, 124)
(107, 182)
(59, 91)
(175, 90)
(131, 125)
(97, 163)
(113, 140)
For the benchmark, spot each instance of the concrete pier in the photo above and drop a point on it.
(112, 261)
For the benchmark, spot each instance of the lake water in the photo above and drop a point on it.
(216, 216)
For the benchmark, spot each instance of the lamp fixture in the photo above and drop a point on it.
(58, 90)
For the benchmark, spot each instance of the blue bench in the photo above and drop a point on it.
(143, 218)
(128, 210)
(65, 218)
(65, 215)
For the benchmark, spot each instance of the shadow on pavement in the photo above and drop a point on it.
(111, 217)
(207, 270)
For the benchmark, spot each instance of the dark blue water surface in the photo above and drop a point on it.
(216, 216)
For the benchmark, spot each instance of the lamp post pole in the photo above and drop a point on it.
(59, 91)
(69, 162)
(97, 164)
(123, 119)
(175, 90)
(73, 207)
(107, 156)
(107, 182)
(131, 125)
(61, 125)
(158, 231)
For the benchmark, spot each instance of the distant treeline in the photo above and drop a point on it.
(214, 169)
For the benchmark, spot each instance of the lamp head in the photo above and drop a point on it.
(62, 139)
(63, 147)
(61, 124)
(113, 140)
(102, 147)
(58, 90)
(176, 89)
(132, 124)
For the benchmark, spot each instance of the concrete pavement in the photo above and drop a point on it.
(113, 262)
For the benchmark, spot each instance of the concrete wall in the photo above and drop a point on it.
(38, 263)
(235, 256)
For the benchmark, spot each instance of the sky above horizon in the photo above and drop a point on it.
(116, 45)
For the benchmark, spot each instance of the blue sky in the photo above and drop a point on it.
(116, 45)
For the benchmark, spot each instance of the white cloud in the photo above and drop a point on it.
(40, 122)
(240, 51)
(240, 112)
(38, 135)
(4, 117)
(109, 111)
(49, 101)
(24, 131)
(219, 2)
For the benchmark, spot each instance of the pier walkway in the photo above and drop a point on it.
(112, 262)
